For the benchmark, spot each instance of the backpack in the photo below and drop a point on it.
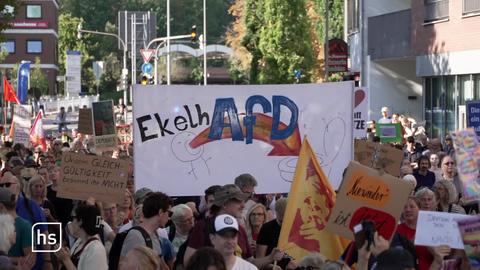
(116, 249)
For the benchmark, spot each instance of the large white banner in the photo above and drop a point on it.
(188, 138)
(73, 73)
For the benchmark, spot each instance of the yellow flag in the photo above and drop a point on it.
(310, 202)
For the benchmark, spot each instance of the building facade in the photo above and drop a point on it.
(34, 33)
(418, 57)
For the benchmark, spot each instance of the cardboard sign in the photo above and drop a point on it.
(438, 228)
(389, 133)
(85, 125)
(470, 232)
(84, 176)
(375, 155)
(22, 123)
(467, 153)
(473, 115)
(104, 125)
(124, 133)
(366, 195)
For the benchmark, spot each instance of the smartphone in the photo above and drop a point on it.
(363, 232)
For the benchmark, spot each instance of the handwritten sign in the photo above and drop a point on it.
(473, 115)
(124, 133)
(84, 176)
(470, 232)
(375, 155)
(438, 228)
(360, 112)
(366, 195)
(85, 124)
(104, 125)
(389, 133)
(467, 152)
(22, 124)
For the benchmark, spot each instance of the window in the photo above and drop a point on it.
(34, 11)
(471, 6)
(353, 15)
(435, 10)
(34, 46)
(8, 46)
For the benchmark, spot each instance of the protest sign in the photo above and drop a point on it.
(473, 115)
(389, 133)
(124, 133)
(21, 124)
(375, 155)
(470, 232)
(84, 176)
(467, 152)
(85, 125)
(438, 228)
(365, 194)
(190, 134)
(104, 125)
(360, 112)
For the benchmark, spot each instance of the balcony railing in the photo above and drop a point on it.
(471, 6)
(436, 10)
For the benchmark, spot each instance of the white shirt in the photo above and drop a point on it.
(384, 121)
(241, 264)
(93, 255)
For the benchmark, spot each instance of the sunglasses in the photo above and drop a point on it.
(448, 163)
(7, 185)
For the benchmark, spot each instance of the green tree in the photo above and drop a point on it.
(68, 41)
(8, 10)
(335, 18)
(38, 81)
(197, 71)
(285, 42)
(254, 21)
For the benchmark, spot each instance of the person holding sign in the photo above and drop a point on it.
(385, 118)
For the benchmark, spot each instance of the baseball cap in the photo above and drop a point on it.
(141, 194)
(229, 192)
(6, 196)
(395, 258)
(224, 223)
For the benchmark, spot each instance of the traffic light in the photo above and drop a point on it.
(193, 33)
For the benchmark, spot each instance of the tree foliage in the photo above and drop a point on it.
(38, 81)
(254, 28)
(68, 41)
(8, 10)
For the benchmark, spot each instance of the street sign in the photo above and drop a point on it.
(147, 54)
(147, 68)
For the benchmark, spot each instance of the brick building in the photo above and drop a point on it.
(419, 57)
(34, 33)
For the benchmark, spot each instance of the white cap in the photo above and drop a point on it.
(223, 222)
(385, 109)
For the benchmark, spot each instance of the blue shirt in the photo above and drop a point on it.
(38, 216)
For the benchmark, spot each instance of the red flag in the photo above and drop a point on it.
(9, 92)
(37, 134)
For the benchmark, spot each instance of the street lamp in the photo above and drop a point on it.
(124, 70)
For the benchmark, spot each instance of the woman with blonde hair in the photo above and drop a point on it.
(447, 197)
(141, 258)
(256, 217)
(7, 239)
(36, 190)
(127, 207)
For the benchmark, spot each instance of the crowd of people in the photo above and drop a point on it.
(230, 227)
